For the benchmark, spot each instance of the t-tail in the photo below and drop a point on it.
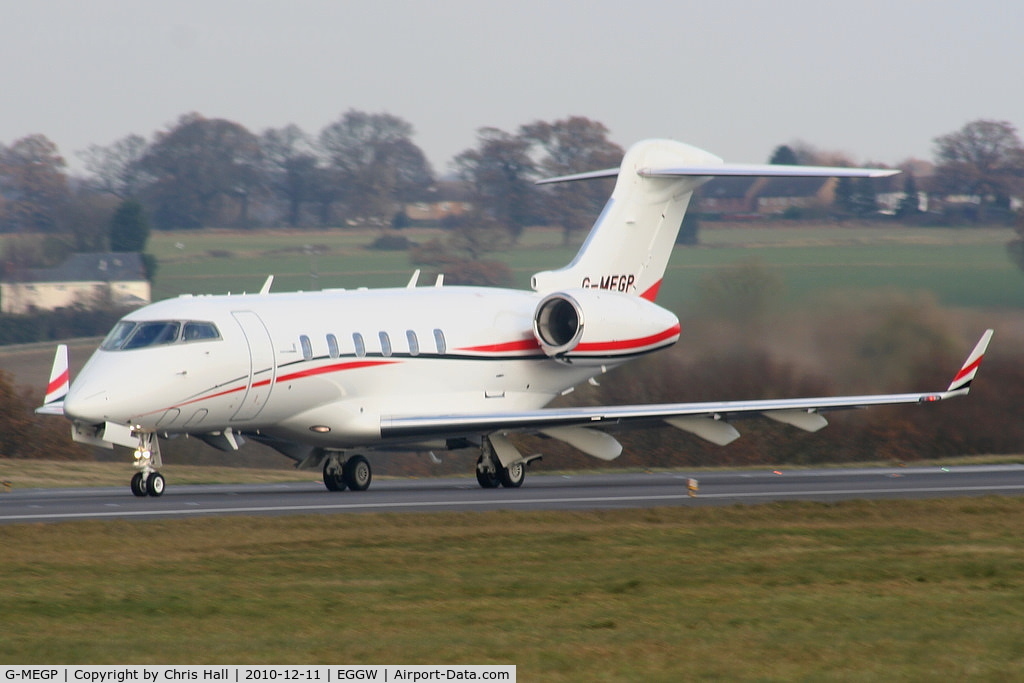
(628, 248)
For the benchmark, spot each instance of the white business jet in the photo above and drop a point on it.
(324, 377)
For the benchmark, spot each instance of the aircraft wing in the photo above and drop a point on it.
(708, 420)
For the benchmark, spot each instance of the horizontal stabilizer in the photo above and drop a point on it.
(734, 170)
(768, 171)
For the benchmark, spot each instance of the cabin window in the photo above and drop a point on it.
(414, 343)
(357, 339)
(197, 331)
(332, 346)
(385, 344)
(152, 334)
(439, 341)
(307, 347)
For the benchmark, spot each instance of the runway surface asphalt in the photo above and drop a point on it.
(539, 492)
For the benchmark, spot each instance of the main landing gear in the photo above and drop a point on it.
(354, 473)
(500, 464)
(148, 481)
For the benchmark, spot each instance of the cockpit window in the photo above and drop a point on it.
(195, 331)
(128, 335)
(118, 335)
(152, 334)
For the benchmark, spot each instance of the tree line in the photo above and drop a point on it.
(358, 170)
(363, 168)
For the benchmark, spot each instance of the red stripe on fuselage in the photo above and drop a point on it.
(506, 347)
(629, 344)
(336, 367)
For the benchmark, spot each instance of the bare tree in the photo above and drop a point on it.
(985, 159)
(204, 171)
(34, 184)
(290, 166)
(501, 172)
(375, 159)
(116, 168)
(573, 145)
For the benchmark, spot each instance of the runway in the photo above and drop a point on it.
(540, 492)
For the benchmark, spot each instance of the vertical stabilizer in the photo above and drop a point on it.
(629, 246)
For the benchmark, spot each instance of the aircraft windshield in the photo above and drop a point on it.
(118, 335)
(129, 335)
(151, 334)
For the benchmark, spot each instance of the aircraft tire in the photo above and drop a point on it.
(155, 484)
(357, 473)
(512, 477)
(138, 485)
(334, 477)
(487, 480)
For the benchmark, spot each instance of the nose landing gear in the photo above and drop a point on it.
(148, 481)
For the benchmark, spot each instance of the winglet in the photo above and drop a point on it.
(60, 381)
(961, 383)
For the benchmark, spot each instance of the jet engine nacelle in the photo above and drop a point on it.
(595, 326)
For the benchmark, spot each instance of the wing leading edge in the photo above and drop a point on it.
(709, 420)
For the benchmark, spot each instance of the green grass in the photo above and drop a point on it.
(900, 590)
(962, 267)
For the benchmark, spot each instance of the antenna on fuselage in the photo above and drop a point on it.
(265, 289)
(414, 279)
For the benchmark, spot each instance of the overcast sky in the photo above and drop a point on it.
(877, 79)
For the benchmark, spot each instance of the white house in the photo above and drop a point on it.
(82, 279)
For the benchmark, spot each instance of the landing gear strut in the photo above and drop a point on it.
(490, 473)
(148, 481)
(354, 473)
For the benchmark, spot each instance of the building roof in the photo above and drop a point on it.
(95, 267)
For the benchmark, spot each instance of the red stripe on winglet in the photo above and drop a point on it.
(968, 369)
(56, 384)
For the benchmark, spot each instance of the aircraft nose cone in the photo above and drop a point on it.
(85, 406)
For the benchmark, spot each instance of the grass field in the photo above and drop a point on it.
(963, 267)
(901, 590)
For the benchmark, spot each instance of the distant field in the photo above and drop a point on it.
(962, 267)
(863, 590)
